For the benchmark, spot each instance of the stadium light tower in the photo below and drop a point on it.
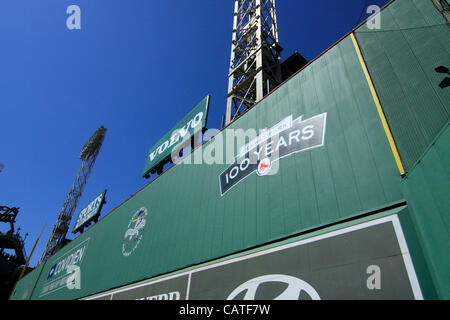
(255, 55)
(88, 155)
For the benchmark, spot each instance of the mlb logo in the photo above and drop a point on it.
(52, 271)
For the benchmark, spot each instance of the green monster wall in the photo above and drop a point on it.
(189, 222)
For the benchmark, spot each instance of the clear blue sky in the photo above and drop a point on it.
(136, 67)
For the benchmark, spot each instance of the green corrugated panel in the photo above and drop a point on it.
(189, 222)
(427, 191)
(401, 58)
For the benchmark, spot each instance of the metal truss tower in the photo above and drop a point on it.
(255, 55)
(88, 155)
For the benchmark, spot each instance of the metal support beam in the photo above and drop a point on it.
(88, 156)
(255, 55)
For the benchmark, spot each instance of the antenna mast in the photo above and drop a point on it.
(255, 55)
(88, 155)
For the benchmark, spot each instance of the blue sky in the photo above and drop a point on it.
(136, 67)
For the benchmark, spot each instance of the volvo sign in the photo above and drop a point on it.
(193, 122)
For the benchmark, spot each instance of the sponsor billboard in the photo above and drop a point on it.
(281, 140)
(365, 261)
(193, 122)
(65, 271)
(90, 213)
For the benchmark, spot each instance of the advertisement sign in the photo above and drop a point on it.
(171, 288)
(365, 261)
(279, 141)
(65, 272)
(91, 212)
(193, 122)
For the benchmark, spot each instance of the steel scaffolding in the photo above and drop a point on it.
(88, 155)
(255, 55)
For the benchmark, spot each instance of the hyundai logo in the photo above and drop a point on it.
(292, 292)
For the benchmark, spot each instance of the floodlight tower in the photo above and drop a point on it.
(88, 155)
(255, 55)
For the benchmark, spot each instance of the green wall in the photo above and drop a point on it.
(25, 287)
(427, 190)
(401, 58)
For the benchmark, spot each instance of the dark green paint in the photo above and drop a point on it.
(401, 58)
(427, 188)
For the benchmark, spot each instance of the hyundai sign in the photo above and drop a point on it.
(366, 261)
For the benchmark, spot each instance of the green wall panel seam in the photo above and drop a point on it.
(365, 128)
(339, 48)
(371, 149)
(325, 146)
